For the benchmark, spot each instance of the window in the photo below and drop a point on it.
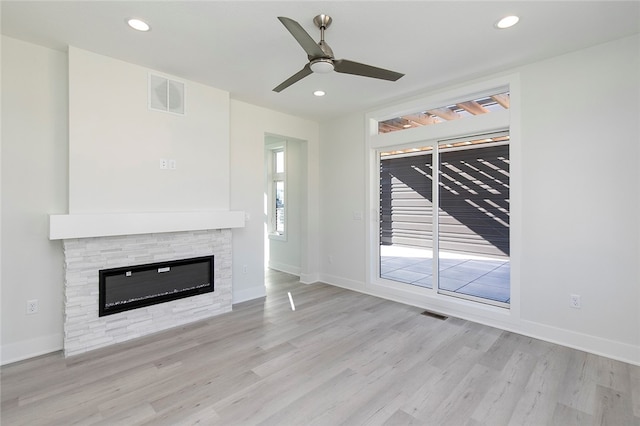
(277, 183)
(478, 106)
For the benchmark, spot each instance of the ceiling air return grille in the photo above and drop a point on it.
(166, 95)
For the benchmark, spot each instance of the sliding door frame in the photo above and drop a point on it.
(430, 136)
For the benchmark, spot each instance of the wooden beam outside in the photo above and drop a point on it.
(502, 99)
(444, 113)
(420, 119)
(472, 107)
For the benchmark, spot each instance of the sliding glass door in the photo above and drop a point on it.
(444, 207)
(406, 216)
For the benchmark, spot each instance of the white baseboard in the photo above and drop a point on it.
(283, 267)
(295, 270)
(309, 278)
(596, 345)
(593, 344)
(249, 294)
(346, 283)
(25, 349)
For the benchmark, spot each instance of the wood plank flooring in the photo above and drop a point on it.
(341, 358)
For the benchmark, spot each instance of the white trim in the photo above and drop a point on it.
(309, 278)
(515, 194)
(112, 224)
(30, 348)
(283, 267)
(596, 345)
(249, 294)
(346, 283)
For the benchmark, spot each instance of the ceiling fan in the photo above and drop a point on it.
(321, 58)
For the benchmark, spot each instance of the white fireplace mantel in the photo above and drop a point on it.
(69, 226)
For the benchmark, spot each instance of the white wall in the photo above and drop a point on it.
(342, 191)
(34, 184)
(116, 142)
(581, 141)
(579, 189)
(249, 125)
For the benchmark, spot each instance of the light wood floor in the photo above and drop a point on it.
(341, 358)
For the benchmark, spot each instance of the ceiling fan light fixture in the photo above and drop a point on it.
(507, 22)
(322, 66)
(138, 24)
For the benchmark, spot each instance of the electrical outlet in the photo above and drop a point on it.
(164, 164)
(245, 268)
(32, 306)
(574, 301)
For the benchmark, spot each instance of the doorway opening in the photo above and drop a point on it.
(285, 205)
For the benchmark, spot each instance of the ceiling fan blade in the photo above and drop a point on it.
(349, 67)
(294, 78)
(304, 39)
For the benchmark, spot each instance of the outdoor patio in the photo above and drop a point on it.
(487, 278)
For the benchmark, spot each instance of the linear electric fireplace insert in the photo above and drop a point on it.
(130, 287)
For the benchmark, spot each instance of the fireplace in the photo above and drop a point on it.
(110, 242)
(85, 329)
(125, 288)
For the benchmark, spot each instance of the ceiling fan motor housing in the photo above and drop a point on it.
(322, 65)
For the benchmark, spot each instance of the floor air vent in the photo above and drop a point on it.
(434, 315)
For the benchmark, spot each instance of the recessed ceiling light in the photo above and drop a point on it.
(139, 25)
(507, 22)
(319, 93)
(406, 126)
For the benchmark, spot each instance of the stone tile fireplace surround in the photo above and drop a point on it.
(94, 242)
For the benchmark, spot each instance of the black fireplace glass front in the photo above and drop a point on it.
(131, 287)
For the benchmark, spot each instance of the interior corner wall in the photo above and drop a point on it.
(249, 125)
(116, 142)
(580, 193)
(34, 184)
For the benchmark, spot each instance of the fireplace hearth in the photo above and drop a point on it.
(125, 288)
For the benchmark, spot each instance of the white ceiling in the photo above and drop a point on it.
(241, 47)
